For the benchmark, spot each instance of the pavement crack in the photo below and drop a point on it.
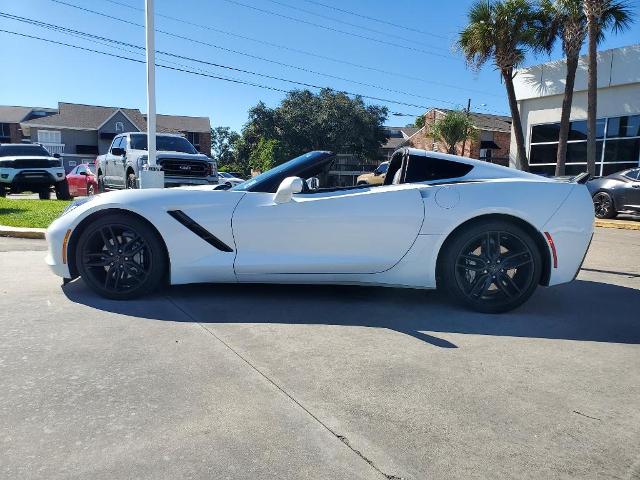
(342, 438)
(585, 415)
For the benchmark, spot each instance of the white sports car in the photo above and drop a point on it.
(486, 234)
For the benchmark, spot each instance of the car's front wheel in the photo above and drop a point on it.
(132, 181)
(120, 257)
(603, 205)
(491, 267)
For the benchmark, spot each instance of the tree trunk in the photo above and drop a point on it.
(592, 93)
(521, 159)
(565, 117)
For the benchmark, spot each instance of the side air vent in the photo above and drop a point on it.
(199, 230)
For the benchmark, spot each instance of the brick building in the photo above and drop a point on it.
(492, 142)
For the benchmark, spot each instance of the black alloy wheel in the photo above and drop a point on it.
(120, 257)
(603, 205)
(492, 268)
(132, 182)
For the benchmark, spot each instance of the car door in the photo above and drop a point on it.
(72, 181)
(365, 230)
(118, 171)
(631, 195)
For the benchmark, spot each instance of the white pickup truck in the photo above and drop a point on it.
(182, 164)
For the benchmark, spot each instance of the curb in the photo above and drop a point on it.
(620, 224)
(22, 232)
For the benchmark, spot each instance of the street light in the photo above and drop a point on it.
(151, 176)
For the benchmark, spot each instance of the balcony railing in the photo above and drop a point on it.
(54, 147)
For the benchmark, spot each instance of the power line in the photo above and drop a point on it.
(337, 30)
(349, 12)
(344, 22)
(195, 60)
(217, 77)
(296, 50)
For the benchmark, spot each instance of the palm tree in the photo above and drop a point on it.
(565, 19)
(453, 128)
(502, 31)
(601, 15)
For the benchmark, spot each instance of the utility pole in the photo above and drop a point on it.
(151, 176)
(464, 142)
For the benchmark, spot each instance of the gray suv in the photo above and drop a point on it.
(181, 162)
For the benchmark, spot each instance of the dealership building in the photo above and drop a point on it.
(540, 90)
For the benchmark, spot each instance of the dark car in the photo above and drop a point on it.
(617, 193)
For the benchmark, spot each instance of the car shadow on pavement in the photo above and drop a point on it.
(582, 310)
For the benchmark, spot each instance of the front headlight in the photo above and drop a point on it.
(77, 203)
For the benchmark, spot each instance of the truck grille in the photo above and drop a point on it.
(175, 167)
(35, 163)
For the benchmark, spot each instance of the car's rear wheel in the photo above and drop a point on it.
(120, 257)
(62, 191)
(101, 187)
(603, 205)
(44, 193)
(491, 267)
(3, 191)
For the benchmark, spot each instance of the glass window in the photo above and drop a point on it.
(163, 143)
(382, 168)
(4, 131)
(577, 152)
(622, 151)
(545, 133)
(624, 127)
(611, 168)
(633, 174)
(545, 170)
(543, 153)
(116, 142)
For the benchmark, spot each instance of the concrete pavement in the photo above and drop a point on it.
(245, 381)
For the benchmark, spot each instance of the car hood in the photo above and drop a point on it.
(166, 154)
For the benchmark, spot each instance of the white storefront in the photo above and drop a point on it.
(540, 90)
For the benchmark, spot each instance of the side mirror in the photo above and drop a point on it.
(56, 155)
(313, 183)
(83, 173)
(287, 188)
(117, 151)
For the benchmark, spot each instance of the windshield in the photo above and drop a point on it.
(304, 166)
(163, 143)
(23, 150)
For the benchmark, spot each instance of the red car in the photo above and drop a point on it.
(82, 181)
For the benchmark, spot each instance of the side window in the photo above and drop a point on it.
(74, 171)
(632, 174)
(80, 168)
(422, 169)
(117, 142)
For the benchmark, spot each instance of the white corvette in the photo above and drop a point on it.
(486, 234)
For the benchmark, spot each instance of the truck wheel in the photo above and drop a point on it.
(101, 188)
(62, 190)
(132, 182)
(44, 193)
(3, 191)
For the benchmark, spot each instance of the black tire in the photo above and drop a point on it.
(132, 182)
(3, 191)
(44, 193)
(101, 187)
(603, 205)
(125, 246)
(90, 191)
(361, 183)
(62, 191)
(490, 267)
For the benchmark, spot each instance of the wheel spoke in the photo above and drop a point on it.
(96, 260)
(506, 284)
(480, 285)
(516, 260)
(473, 263)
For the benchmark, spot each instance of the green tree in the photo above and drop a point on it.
(266, 155)
(601, 16)
(419, 123)
(306, 121)
(453, 128)
(564, 20)
(223, 145)
(502, 31)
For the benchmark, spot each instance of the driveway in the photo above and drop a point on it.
(291, 382)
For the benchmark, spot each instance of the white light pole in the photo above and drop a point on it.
(151, 176)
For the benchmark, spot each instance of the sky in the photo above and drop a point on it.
(407, 58)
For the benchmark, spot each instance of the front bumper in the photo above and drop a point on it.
(179, 181)
(55, 237)
(31, 176)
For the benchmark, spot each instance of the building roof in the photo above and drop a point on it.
(487, 121)
(11, 114)
(91, 117)
(182, 123)
(397, 136)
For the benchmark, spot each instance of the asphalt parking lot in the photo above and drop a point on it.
(290, 382)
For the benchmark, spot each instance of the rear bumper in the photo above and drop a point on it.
(571, 229)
